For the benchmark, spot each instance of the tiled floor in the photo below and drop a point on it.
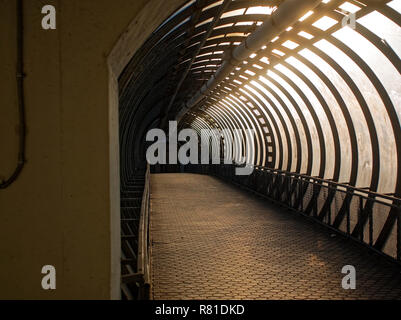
(212, 240)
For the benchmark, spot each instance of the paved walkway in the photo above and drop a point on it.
(212, 240)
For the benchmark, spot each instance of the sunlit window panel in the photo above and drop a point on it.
(349, 7)
(340, 123)
(358, 121)
(329, 99)
(395, 4)
(290, 44)
(307, 115)
(224, 26)
(254, 125)
(240, 120)
(317, 108)
(259, 10)
(215, 4)
(276, 119)
(251, 73)
(198, 67)
(225, 123)
(216, 37)
(249, 92)
(383, 68)
(204, 22)
(384, 28)
(244, 23)
(209, 46)
(238, 12)
(219, 120)
(193, 44)
(215, 141)
(185, 61)
(278, 52)
(287, 122)
(306, 35)
(325, 23)
(215, 113)
(198, 34)
(297, 120)
(204, 54)
(376, 108)
(306, 16)
(235, 34)
(388, 76)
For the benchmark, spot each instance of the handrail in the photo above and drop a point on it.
(357, 221)
(143, 266)
(370, 194)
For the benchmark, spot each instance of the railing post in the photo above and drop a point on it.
(370, 208)
(398, 232)
(143, 266)
(360, 211)
(330, 191)
(315, 196)
(301, 195)
(348, 199)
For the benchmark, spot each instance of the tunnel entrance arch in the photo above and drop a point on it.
(319, 104)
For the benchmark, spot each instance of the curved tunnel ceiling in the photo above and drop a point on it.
(324, 99)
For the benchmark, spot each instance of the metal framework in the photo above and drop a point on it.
(135, 239)
(323, 97)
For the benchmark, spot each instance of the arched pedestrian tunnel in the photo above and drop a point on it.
(319, 84)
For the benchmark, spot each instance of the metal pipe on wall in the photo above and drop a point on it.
(21, 101)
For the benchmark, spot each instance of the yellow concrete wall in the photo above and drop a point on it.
(63, 210)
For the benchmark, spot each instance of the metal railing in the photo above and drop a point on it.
(141, 278)
(370, 218)
(144, 244)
